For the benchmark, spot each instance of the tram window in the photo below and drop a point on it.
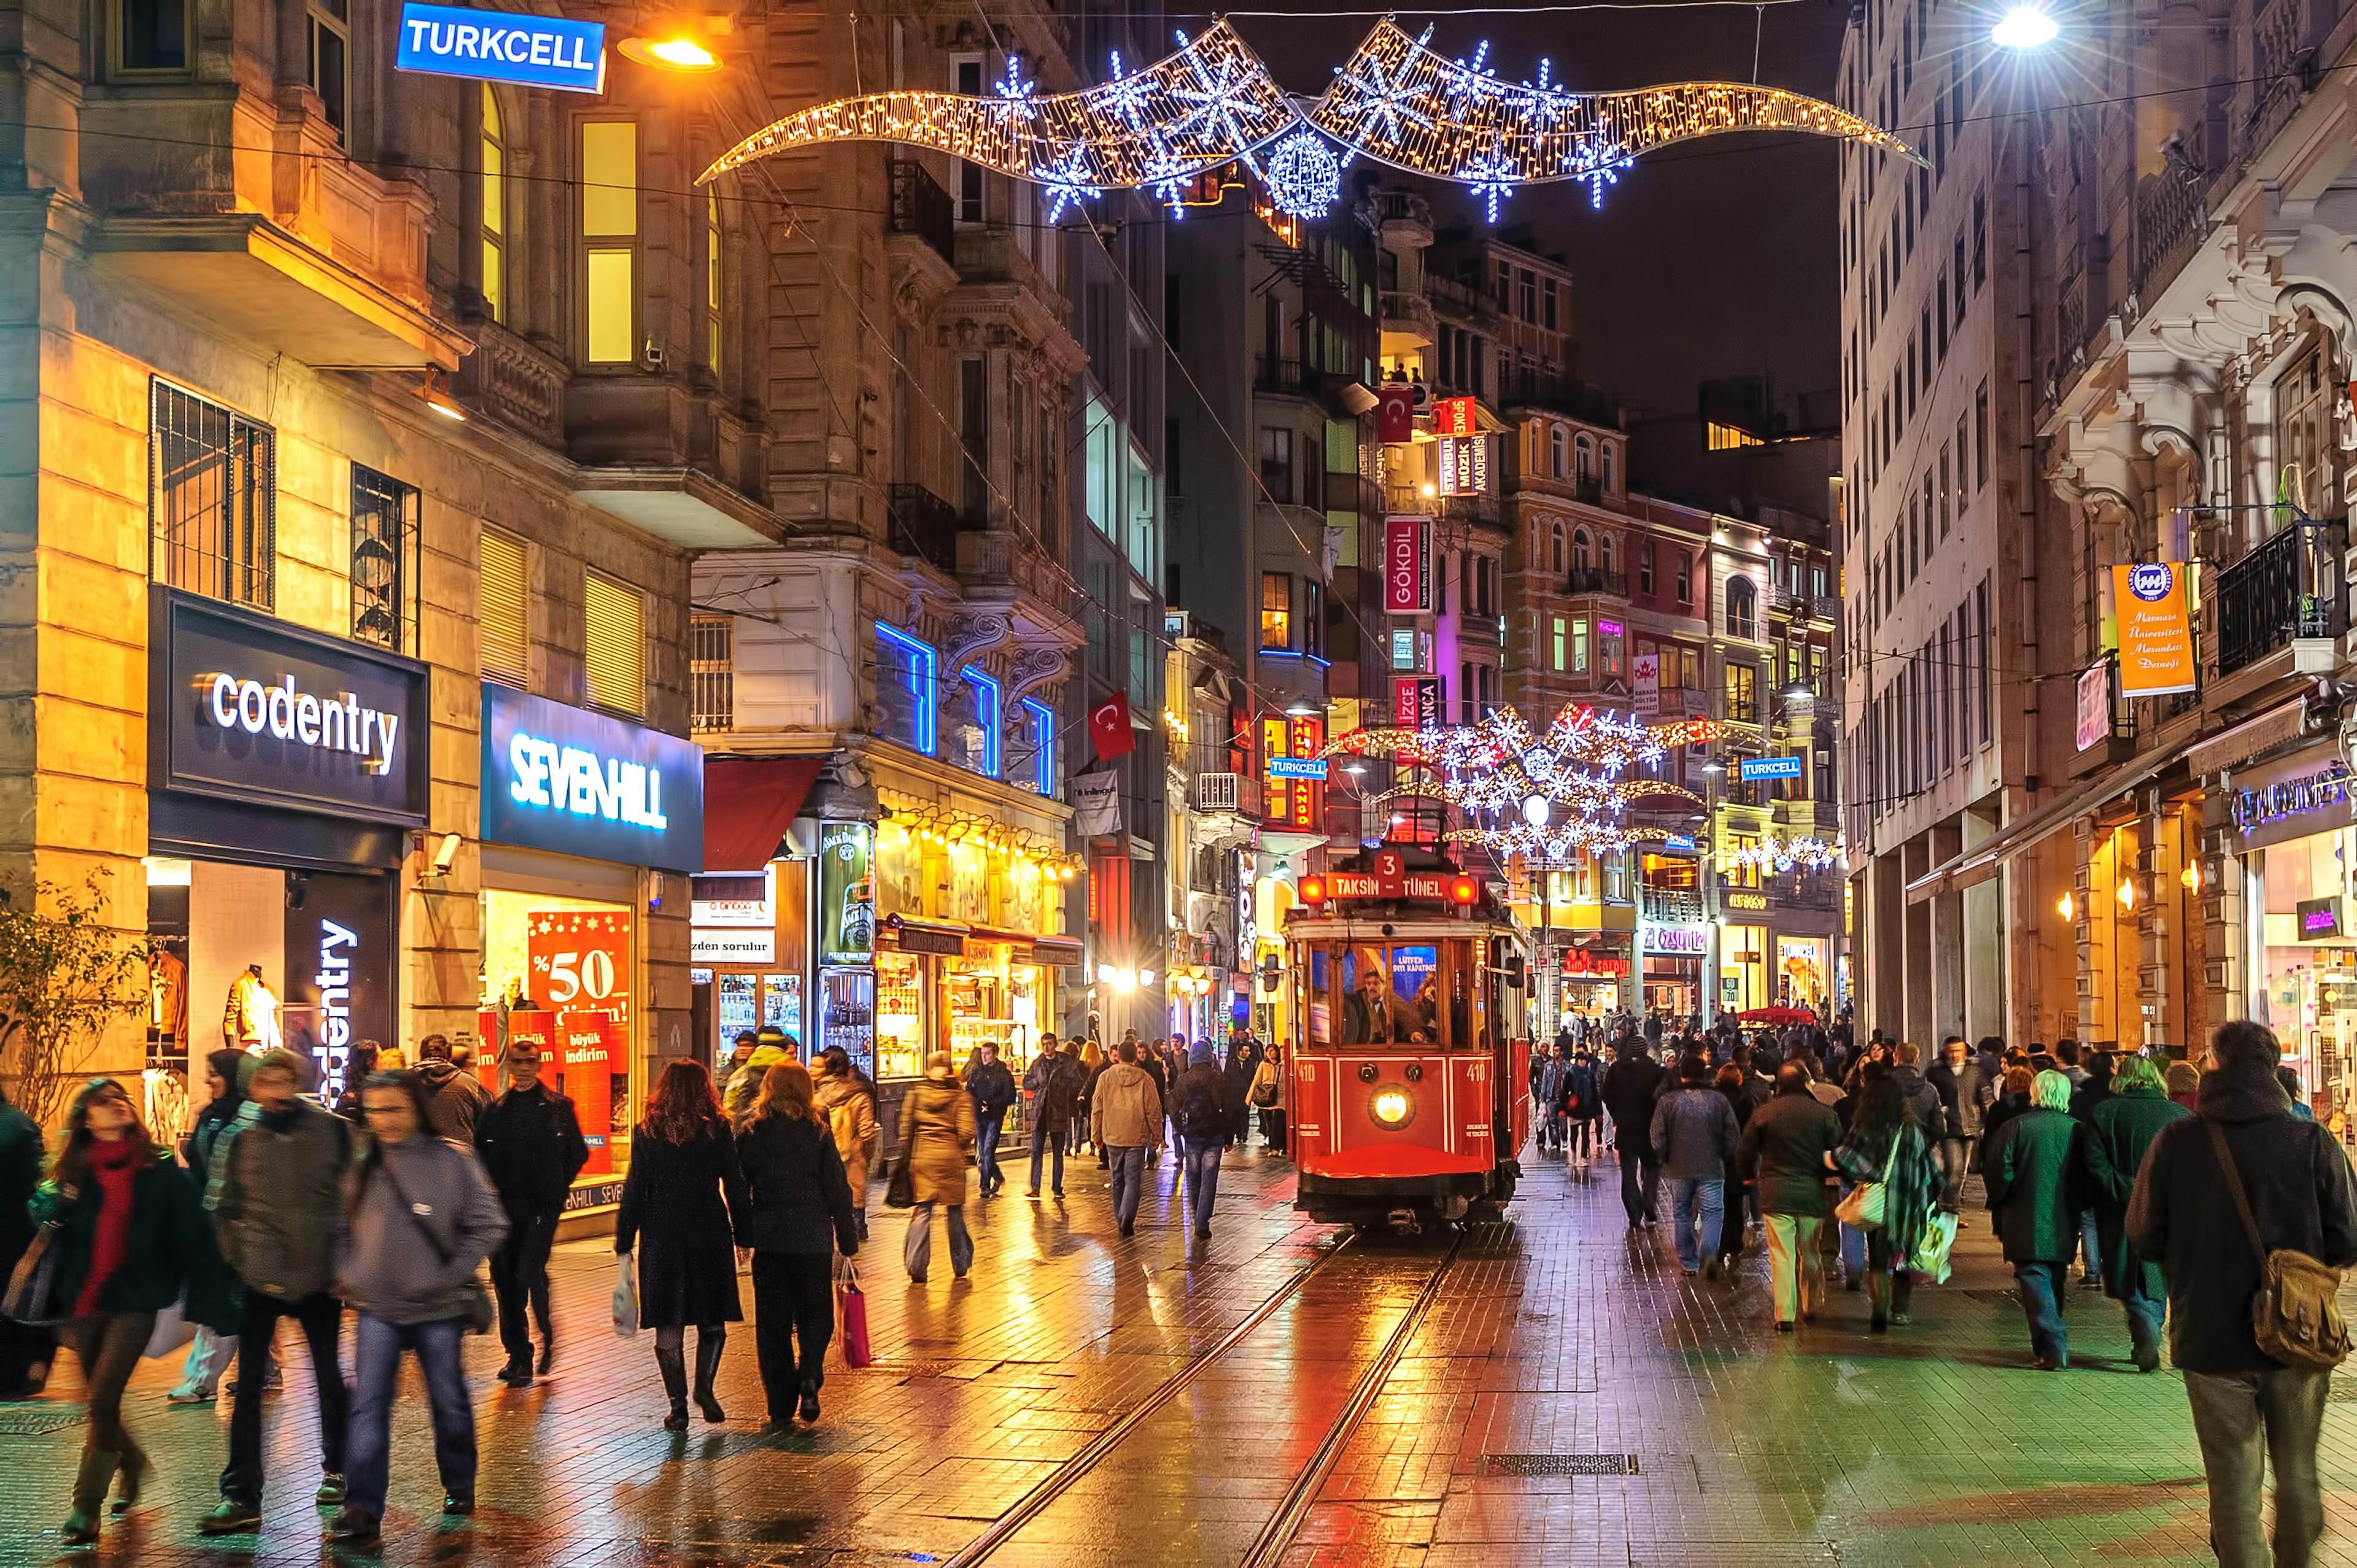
(1391, 996)
(1321, 1006)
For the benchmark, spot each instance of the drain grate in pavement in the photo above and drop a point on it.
(1559, 1464)
(40, 1420)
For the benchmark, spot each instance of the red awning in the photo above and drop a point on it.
(747, 803)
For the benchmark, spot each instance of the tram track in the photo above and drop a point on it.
(1293, 1509)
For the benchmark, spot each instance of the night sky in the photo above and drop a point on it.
(1714, 258)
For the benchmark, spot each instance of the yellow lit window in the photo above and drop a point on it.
(715, 335)
(1726, 437)
(494, 235)
(609, 227)
(507, 648)
(1275, 609)
(615, 649)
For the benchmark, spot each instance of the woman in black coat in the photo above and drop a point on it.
(683, 1192)
(796, 1216)
(24, 1352)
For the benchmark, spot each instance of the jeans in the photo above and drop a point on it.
(1551, 1133)
(520, 1275)
(1128, 1183)
(2144, 1313)
(322, 1318)
(1201, 1156)
(1796, 1273)
(2241, 1420)
(1687, 1195)
(376, 1365)
(210, 1354)
(1043, 1139)
(1954, 1154)
(986, 1152)
(917, 1251)
(1881, 1260)
(1640, 1180)
(109, 1344)
(2041, 1302)
(793, 1297)
(2090, 1247)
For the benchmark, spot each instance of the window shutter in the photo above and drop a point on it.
(507, 643)
(616, 646)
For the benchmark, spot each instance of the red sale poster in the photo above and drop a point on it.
(579, 961)
(523, 1025)
(589, 1046)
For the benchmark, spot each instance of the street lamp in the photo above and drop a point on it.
(2025, 27)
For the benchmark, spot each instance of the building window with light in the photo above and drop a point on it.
(1742, 693)
(905, 693)
(1559, 640)
(1742, 607)
(609, 230)
(492, 232)
(715, 252)
(712, 673)
(213, 498)
(2303, 425)
(327, 54)
(1579, 645)
(1276, 611)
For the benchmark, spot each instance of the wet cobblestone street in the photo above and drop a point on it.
(1564, 1396)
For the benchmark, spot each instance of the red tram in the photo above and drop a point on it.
(1409, 1094)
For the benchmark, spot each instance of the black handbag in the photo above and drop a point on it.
(478, 1312)
(33, 1297)
(900, 1192)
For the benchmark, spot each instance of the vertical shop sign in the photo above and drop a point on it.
(339, 956)
(1407, 566)
(1308, 740)
(579, 960)
(1645, 683)
(2155, 636)
(588, 1045)
(1453, 416)
(846, 893)
(1276, 741)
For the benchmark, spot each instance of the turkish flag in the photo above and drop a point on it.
(1109, 728)
(1395, 412)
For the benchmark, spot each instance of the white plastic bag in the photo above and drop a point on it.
(171, 1334)
(626, 1300)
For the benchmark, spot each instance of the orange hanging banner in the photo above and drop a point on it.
(2156, 633)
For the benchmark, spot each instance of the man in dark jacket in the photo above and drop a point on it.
(1694, 1133)
(455, 1100)
(531, 1145)
(1956, 1078)
(276, 1194)
(2297, 1182)
(2034, 1173)
(1630, 1085)
(991, 1087)
(1783, 1153)
(1206, 1109)
(2134, 1108)
(1054, 1083)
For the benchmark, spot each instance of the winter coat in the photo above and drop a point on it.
(455, 1101)
(2001, 1109)
(1783, 1151)
(1268, 1085)
(1694, 1133)
(993, 1089)
(171, 1251)
(386, 1267)
(20, 1176)
(936, 1131)
(532, 1148)
(851, 1116)
(796, 1197)
(1911, 1181)
(1548, 1100)
(2117, 1134)
(683, 1199)
(2298, 1185)
(744, 1085)
(1931, 1112)
(1630, 1087)
(2036, 1186)
(1054, 1082)
(1581, 1097)
(212, 1124)
(1960, 1097)
(1126, 1112)
(1204, 1103)
(276, 1194)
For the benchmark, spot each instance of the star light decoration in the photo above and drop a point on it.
(1781, 855)
(1394, 101)
(1495, 769)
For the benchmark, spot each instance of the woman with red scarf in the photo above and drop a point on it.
(134, 1239)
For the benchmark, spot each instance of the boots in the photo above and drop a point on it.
(673, 1363)
(709, 1343)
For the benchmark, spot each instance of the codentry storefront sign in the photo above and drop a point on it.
(502, 45)
(573, 782)
(248, 709)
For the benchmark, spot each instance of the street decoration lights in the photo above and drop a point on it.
(1213, 103)
(1781, 855)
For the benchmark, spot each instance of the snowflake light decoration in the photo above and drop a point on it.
(1304, 176)
(1394, 101)
(1781, 855)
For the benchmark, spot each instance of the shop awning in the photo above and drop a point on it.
(1981, 862)
(909, 934)
(748, 802)
(1063, 952)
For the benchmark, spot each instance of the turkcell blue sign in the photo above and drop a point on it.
(574, 782)
(502, 45)
(1770, 768)
(1296, 768)
(1678, 841)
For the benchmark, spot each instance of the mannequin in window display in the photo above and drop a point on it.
(250, 1018)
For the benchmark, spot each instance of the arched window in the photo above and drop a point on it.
(1555, 451)
(716, 329)
(1607, 468)
(1608, 550)
(1742, 604)
(494, 194)
(1554, 562)
(1584, 462)
(1580, 551)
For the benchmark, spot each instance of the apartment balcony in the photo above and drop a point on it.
(1403, 221)
(1594, 580)
(1460, 299)
(2287, 590)
(924, 526)
(1408, 323)
(1670, 905)
(920, 207)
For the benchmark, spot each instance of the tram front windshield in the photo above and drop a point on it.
(1396, 994)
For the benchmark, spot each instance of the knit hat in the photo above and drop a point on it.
(1200, 1054)
(276, 1056)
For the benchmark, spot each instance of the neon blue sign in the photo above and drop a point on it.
(502, 45)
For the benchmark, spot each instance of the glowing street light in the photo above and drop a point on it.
(2025, 27)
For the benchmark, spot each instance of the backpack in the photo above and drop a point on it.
(1199, 1114)
(2294, 1316)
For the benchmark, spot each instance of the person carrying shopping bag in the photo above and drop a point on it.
(797, 1217)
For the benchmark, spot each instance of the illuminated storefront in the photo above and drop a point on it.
(2296, 851)
(1744, 980)
(1674, 953)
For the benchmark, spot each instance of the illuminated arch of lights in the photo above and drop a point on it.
(1394, 101)
(1781, 855)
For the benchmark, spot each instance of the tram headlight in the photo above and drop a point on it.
(1392, 1108)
